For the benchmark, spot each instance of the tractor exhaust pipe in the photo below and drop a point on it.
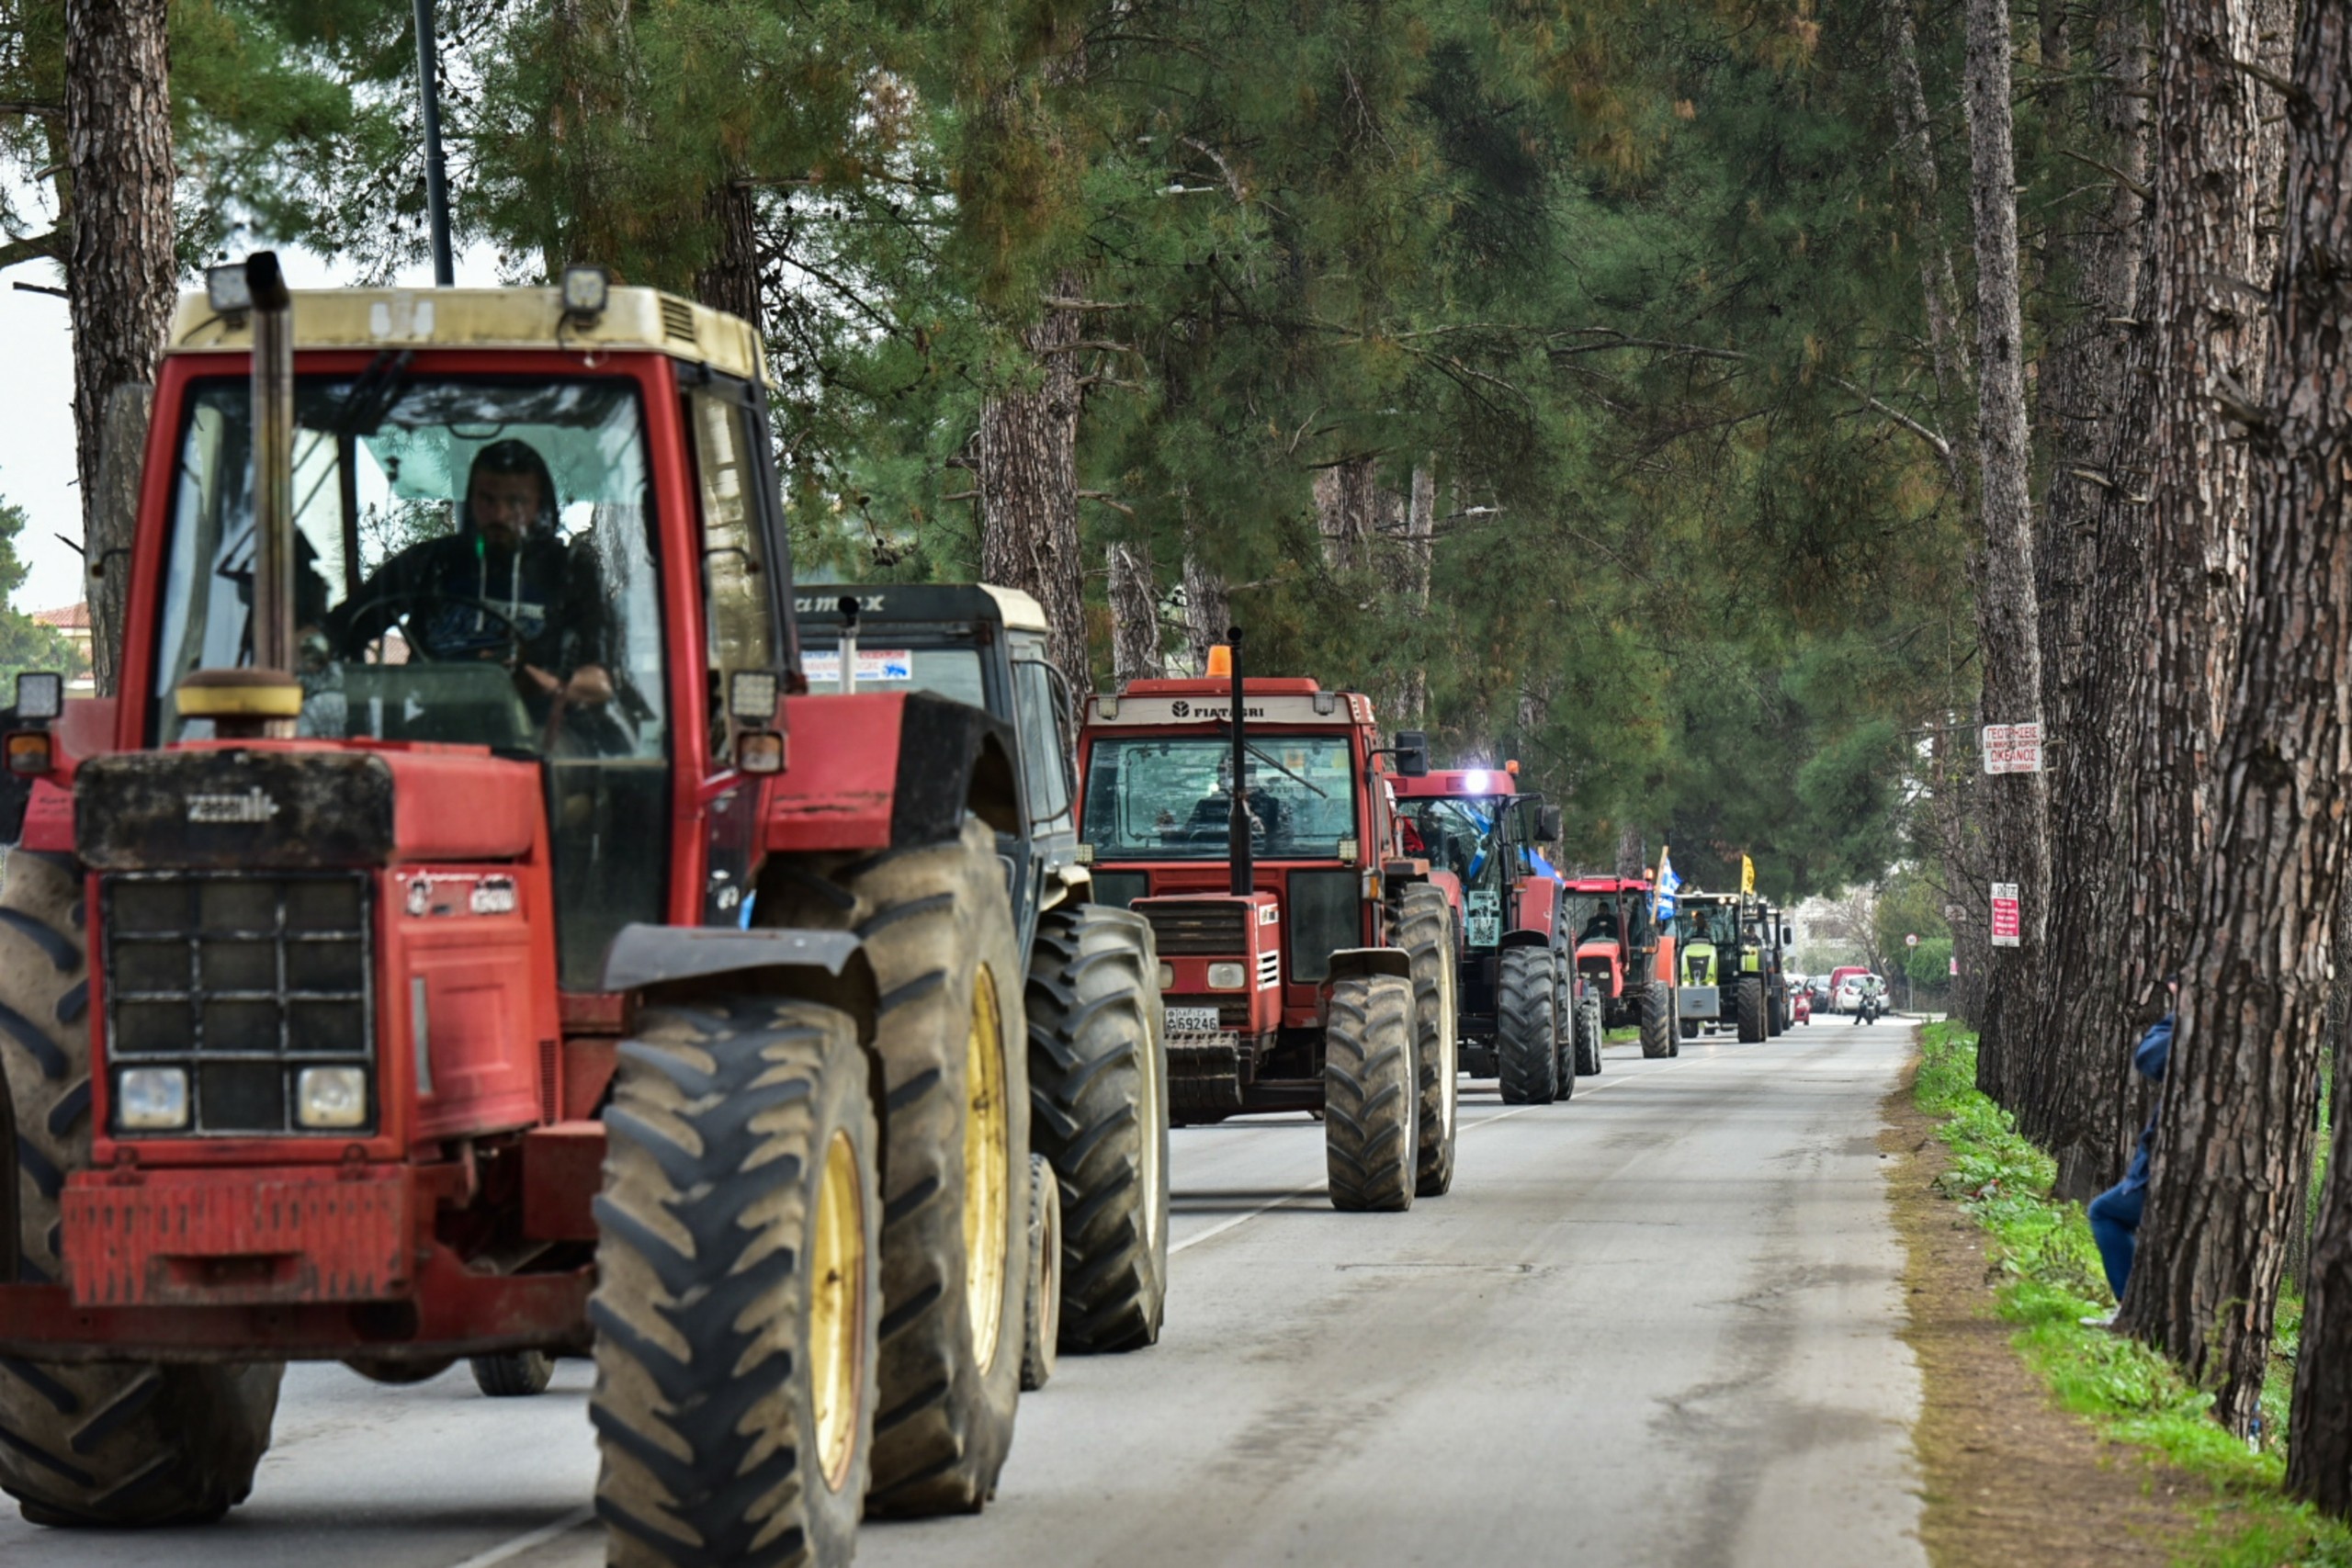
(273, 608)
(1236, 829)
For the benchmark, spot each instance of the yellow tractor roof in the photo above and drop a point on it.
(643, 318)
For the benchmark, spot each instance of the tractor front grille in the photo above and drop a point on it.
(242, 981)
(1210, 930)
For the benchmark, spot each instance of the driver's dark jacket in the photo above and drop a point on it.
(453, 591)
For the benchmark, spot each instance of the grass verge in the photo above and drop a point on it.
(2050, 1280)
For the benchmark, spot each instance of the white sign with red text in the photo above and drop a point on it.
(2013, 748)
(2004, 914)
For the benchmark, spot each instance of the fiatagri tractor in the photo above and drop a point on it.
(1307, 962)
(1525, 1018)
(1098, 1075)
(459, 937)
(1625, 958)
(1731, 942)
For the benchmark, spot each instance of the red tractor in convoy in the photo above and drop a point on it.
(433, 950)
(1307, 962)
(1626, 959)
(1525, 1017)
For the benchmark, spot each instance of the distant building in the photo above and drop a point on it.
(72, 622)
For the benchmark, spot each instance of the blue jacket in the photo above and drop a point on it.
(2149, 1058)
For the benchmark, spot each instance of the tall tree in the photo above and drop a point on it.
(2213, 192)
(2008, 611)
(122, 263)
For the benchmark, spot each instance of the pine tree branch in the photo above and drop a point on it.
(32, 108)
(2126, 181)
(51, 246)
(1105, 497)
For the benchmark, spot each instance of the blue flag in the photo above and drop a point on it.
(1669, 885)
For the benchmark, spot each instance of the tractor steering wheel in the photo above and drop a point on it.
(409, 621)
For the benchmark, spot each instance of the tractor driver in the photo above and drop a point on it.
(1602, 927)
(503, 587)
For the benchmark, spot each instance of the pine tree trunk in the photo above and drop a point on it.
(2307, 483)
(1413, 585)
(1633, 852)
(1028, 485)
(1947, 349)
(2223, 812)
(2008, 614)
(1347, 498)
(730, 279)
(121, 267)
(1207, 611)
(1134, 614)
(2085, 389)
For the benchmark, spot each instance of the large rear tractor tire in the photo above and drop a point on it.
(1371, 1103)
(1525, 1045)
(105, 1443)
(937, 929)
(1750, 995)
(1660, 1032)
(1425, 931)
(1098, 1098)
(1593, 1034)
(737, 1293)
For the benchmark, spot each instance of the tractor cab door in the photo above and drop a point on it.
(1041, 713)
(745, 580)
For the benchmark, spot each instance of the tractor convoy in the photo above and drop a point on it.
(499, 916)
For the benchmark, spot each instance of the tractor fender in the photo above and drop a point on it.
(879, 770)
(1352, 962)
(1524, 937)
(1539, 904)
(668, 961)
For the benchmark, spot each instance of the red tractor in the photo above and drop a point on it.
(433, 950)
(1626, 959)
(1307, 962)
(1524, 1017)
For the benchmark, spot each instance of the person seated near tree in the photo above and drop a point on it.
(503, 587)
(2115, 1213)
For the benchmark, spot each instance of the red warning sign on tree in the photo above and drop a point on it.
(2013, 748)
(2004, 914)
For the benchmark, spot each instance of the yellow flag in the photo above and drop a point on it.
(1747, 875)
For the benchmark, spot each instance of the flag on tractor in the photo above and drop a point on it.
(1747, 875)
(1669, 885)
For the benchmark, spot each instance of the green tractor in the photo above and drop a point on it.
(1729, 965)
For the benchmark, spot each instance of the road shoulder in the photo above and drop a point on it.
(2009, 1478)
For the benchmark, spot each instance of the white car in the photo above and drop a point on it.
(1852, 990)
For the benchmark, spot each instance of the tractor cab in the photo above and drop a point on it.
(979, 644)
(1626, 956)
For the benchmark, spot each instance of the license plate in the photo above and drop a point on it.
(1198, 1020)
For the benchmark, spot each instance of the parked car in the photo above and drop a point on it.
(1835, 1000)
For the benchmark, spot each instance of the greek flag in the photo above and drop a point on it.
(1669, 885)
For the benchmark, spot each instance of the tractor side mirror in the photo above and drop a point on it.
(1547, 825)
(1788, 936)
(1413, 754)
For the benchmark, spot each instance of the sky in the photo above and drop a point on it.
(37, 411)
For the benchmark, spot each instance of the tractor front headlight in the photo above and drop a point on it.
(151, 1099)
(1228, 977)
(331, 1096)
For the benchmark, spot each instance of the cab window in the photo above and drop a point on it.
(737, 610)
(1044, 752)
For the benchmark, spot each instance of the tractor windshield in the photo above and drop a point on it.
(1170, 798)
(473, 561)
(1591, 916)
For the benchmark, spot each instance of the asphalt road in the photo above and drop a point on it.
(1656, 1326)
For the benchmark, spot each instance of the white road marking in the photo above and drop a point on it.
(507, 1551)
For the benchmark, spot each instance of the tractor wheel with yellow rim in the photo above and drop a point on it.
(737, 1293)
(952, 1043)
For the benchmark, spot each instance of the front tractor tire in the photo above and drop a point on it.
(1098, 1100)
(517, 1374)
(1526, 1042)
(106, 1443)
(1425, 931)
(1659, 1033)
(736, 1295)
(1371, 1101)
(937, 928)
(1042, 1329)
(1750, 995)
